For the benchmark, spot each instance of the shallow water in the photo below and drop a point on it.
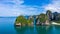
(7, 27)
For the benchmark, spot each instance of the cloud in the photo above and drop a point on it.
(54, 6)
(16, 8)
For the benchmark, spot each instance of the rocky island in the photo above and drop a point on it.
(41, 19)
(22, 21)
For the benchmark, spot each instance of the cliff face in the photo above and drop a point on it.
(41, 19)
(56, 17)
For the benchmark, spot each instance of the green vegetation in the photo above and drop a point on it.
(57, 21)
(23, 21)
(43, 18)
(20, 19)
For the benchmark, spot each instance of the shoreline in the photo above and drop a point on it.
(54, 23)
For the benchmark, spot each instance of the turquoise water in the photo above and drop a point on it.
(7, 27)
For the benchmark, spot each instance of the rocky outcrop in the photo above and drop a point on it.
(22, 21)
(47, 22)
(18, 24)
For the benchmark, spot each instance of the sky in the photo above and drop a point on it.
(27, 7)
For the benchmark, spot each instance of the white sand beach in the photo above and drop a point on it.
(54, 23)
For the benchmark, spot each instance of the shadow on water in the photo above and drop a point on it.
(23, 29)
(34, 30)
(43, 29)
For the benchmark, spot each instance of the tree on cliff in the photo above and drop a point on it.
(20, 19)
(23, 20)
(43, 18)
